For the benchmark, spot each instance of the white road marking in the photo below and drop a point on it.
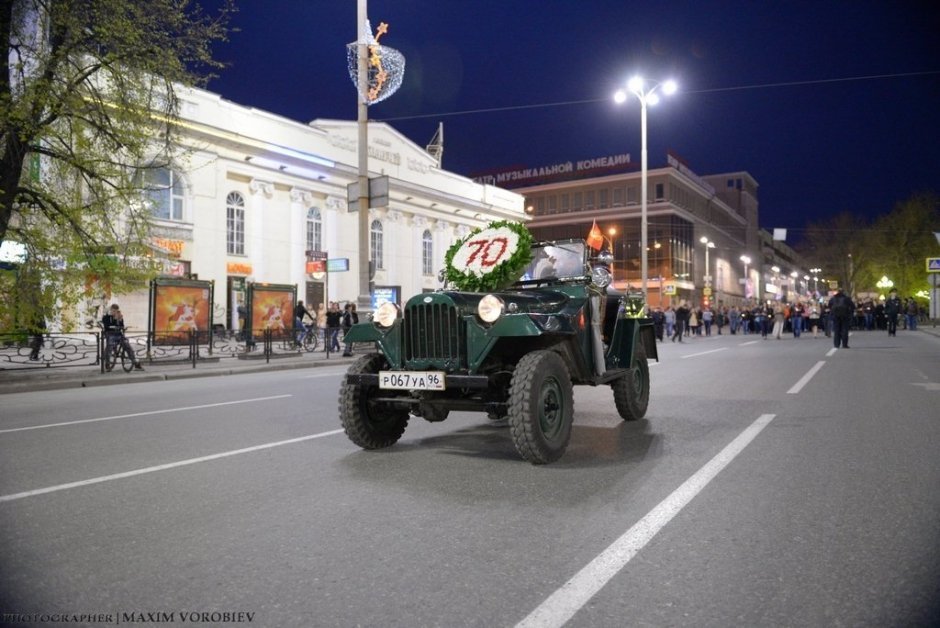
(744, 344)
(326, 374)
(831, 352)
(161, 467)
(138, 414)
(562, 605)
(692, 355)
(797, 387)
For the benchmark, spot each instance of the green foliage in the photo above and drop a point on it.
(88, 98)
(895, 245)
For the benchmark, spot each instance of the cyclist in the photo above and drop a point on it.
(113, 323)
(299, 313)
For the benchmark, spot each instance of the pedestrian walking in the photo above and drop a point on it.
(892, 311)
(37, 331)
(841, 310)
(350, 318)
(669, 318)
(333, 323)
(682, 316)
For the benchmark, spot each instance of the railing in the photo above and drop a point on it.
(25, 351)
(33, 351)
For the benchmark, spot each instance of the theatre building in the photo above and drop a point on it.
(683, 208)
(254, 197)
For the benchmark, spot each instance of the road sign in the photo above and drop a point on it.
(933, 264)
(707, 291)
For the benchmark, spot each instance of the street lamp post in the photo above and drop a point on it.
(611, 233)
(746, 260)
(646, 93)
(706, 277)
(796, 283)
(815, 272)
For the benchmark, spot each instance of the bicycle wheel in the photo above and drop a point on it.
(127, 362)
(311, 340)
(109, 357)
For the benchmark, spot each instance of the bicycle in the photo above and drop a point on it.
(310, 338)
(116, 350)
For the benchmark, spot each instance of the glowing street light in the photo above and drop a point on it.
(708, 245)
(884, 284)
(647, 95)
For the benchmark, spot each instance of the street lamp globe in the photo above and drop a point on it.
(647, 94)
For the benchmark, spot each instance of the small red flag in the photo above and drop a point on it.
(595, 238)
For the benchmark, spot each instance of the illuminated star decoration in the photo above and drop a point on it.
(386, 66)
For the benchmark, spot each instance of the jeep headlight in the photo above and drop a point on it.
(386, 314)
(490, 308)
(600, 276)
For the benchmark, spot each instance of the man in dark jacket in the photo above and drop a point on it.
(892, 311)
(682, 318)
(841, 309)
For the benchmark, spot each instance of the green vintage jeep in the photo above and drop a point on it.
(513, 354)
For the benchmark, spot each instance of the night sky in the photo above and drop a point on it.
(831, 106)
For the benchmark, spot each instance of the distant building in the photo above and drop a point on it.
(682, 207)
(254, 195)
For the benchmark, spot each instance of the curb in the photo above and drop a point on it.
(41, 382)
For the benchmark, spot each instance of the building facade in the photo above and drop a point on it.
(682, 209)
(254, 197)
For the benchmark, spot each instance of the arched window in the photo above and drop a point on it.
(314, 230)
(375, 244)
(163, 189)
(235, 224)
(427, 253)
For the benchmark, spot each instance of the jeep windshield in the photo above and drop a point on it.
(555, 261)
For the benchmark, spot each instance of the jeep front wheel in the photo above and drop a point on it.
(368, 423)
(541, 407)
(632, 391)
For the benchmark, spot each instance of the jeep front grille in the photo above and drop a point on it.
(434, 333)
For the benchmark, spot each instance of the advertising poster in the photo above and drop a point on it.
(178, 309)
(271, 307)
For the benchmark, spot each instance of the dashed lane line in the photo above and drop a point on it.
(139, 414)
(162, 467)
(562, 605)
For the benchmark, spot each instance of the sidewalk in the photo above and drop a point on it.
(53, 378)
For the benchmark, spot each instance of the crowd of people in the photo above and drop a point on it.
(331, 320)
(776, 318)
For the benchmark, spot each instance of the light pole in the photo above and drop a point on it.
(884, 284)
(815, 272)
(646, 93)
(746, 260)
(612, 232)
(796, 283)
(707, 278)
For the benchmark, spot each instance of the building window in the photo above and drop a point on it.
(235, 224)
(618, 197)
(314, 230)
(163, 190)
(660, 192)
(375, 244)
(602, 198)
(427, 253)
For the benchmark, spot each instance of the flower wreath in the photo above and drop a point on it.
(490, 258)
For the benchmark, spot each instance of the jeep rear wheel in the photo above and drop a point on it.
(632, 391)
(368, 423)
(541, 407)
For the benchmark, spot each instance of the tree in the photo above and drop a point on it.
(903, 239)
(88, 102)
(838, 246)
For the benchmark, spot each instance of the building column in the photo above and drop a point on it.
(260, 192)
(301, 201)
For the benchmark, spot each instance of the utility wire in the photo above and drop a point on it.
(566, 103)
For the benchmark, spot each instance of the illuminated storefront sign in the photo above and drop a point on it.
(559, 171)
(238, 268)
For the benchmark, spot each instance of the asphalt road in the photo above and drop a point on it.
(773, 483)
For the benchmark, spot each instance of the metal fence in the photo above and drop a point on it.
(21, 350)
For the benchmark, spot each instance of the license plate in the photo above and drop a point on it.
(411, 380)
